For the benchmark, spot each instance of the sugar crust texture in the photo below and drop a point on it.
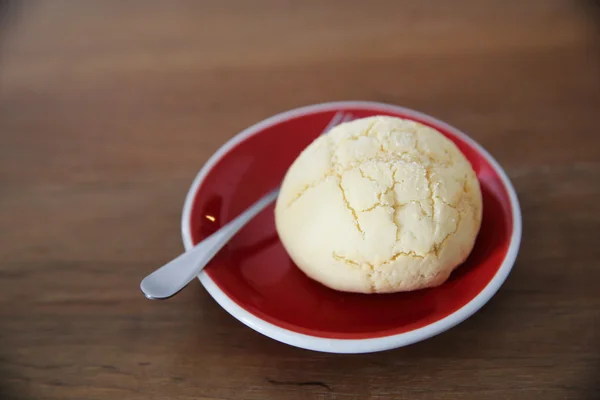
(379, 205)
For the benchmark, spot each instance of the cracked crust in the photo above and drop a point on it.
(390, 200)
(349, 207)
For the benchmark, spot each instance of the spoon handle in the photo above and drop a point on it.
(175, 275)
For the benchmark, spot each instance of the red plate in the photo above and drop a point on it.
(254, 279)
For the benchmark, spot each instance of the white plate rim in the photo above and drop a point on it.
(353, 346)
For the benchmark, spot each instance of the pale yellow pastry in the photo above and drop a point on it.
(379, 205)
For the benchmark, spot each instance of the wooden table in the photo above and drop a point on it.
(108, 110)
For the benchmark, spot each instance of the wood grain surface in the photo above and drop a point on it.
(109, 108)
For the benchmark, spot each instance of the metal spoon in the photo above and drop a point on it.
(175, 275)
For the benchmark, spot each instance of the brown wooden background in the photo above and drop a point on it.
(109, 108)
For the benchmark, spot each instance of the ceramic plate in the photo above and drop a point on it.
(255, 281)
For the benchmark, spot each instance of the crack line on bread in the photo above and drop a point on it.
(373, 207)
(438, 246)
(429, 179)
(399, 254)
(455, 207)
(382, 194)
(397, 206)
(345, 260)
(355, 264)
(364, 133)
(309, 186)
(435, 226)
(369, 129)
(349, 207)
(371, 282)
(362, 173)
